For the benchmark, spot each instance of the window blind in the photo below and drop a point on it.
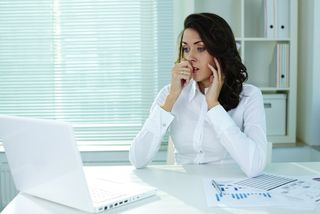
(97, 64)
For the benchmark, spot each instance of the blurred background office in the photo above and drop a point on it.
(99, 65)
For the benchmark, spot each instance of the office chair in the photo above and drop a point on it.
(170, 152)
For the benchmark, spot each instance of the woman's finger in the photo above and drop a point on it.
(186, 75)
(186, 63)
(218, 68)
(214, 71)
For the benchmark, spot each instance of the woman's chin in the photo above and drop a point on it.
(197, 78)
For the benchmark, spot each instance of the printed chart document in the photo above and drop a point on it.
(264, 190)
(234, 195)
(305, 188)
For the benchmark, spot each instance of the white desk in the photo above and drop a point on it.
(180, 189)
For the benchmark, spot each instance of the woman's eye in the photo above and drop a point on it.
(201, 49)
(185, 49)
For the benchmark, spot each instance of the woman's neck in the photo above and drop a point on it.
(203, 86)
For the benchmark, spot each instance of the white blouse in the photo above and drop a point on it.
(201, 136)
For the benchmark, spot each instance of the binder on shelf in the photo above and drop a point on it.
(270, 19)
(282, 26)
(285, 71)
(273, 67)
(276, 18)
(282, 70)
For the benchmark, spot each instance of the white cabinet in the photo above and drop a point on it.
(260, 53)
(275, 107)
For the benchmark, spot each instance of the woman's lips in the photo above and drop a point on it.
(195, 69)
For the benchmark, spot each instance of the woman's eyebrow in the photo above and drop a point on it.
(197, 42)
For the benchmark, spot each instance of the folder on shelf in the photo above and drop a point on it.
(276, 16)
(282, 76)
(282, 26)
(273, 67)
(270, 19)
(284, 81)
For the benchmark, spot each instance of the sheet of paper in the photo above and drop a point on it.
(306, 188)
(234, 195)
(266, 181)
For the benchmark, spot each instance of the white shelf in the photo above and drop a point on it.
(262, 39)
(274, 89)
(258, 52)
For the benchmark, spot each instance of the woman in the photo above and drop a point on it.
(213, 117)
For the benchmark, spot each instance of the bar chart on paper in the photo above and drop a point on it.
(266, 182)
(243, 195)
(234, 195)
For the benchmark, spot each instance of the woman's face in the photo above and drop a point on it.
(195, 52)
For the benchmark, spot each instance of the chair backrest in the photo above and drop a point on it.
(269, 152)
(171, 159)
(170, 152)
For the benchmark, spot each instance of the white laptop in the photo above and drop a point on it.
(45, 162)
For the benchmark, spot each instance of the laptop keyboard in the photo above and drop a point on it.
(100, 195)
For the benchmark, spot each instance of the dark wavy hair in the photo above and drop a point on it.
(219, 41)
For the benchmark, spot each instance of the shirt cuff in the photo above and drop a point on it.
(219, 119)
(159, 115)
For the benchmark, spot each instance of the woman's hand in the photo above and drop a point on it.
(180, 77)
(216, 83)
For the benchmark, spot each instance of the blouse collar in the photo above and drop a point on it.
(194, 89)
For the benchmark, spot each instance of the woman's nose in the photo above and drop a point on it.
(191, 56)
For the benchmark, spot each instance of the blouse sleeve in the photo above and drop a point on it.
(248, 147)
(147, 142)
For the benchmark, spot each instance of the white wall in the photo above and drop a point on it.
(308, 106)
